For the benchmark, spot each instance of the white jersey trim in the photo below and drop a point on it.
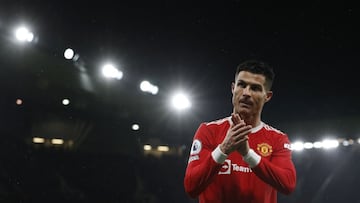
(219, 121)
(257, 128)
(253, 130)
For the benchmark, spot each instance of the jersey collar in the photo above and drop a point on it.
(253, 130)
(257, 128)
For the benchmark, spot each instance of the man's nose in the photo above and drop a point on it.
(247, 90)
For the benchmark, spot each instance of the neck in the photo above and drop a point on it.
(251, 120)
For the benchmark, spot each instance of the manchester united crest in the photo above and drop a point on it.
(264, 149)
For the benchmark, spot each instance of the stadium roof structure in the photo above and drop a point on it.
(192, 47)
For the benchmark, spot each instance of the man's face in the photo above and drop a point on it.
(249, 94)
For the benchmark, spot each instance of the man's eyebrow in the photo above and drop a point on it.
(248, 83)
(244, 81)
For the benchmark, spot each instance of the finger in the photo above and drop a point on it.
(239, 128)
(240, 141)
(242, 132)
(238, 119)
(235, 118)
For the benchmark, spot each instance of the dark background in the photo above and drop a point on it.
(193, 46)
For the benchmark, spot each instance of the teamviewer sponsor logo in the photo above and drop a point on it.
(226, 167)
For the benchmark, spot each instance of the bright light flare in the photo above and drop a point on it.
(56, 141)
(180, 101)
(297, 146)
(347, 142)
(330, 143)
(318, 145)
(308, 145)
(147, 147)
(146, 86)
(65, 102)
(135, 127)
(38, 140)
(24, 35)
(19, 102)
(69, 53)
(163, 148)
(109, 71)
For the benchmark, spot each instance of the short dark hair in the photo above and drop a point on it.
(258, 67)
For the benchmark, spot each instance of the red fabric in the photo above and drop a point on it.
(234, 181)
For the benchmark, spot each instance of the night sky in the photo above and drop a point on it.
(313, 49)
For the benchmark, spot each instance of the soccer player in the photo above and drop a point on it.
(240, 158)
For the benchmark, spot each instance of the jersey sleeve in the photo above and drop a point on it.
(279, 171)
(201, 167)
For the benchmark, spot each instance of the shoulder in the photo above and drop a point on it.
(279, 136)
(218, 122)
(215, 126)
(273, 130)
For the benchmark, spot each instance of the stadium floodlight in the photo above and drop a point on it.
(318, 145)
(163, 148)
(147, 147)
(69, 53)
(109, 71)
(346, 143)
(65, 102)
(22, 34)
(297, 146)
(180, 101)
(38, 140)
(57, 141)
(330, 143)
(135, 127)
(19, 101)
(146, 86)
(308, 145)
(351, 141)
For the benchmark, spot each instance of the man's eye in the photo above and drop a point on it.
(242, 84)
(256, 88)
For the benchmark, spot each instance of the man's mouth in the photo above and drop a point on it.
(245, 103)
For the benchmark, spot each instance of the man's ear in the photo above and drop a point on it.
(232, 87)
(269, 94)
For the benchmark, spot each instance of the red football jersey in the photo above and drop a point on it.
(234, 180)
